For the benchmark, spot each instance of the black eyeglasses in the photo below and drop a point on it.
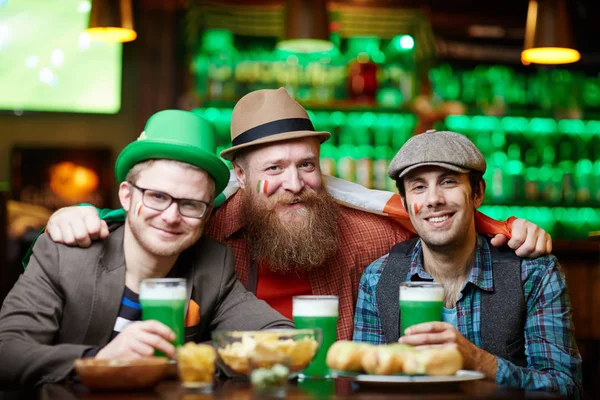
(160, 201)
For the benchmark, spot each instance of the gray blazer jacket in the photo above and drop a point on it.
(68, 299)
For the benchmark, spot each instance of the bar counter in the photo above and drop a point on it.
(315, 389)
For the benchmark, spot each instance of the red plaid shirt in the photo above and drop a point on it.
(363, 238)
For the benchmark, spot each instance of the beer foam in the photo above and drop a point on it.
(315, 308)
(421, 294)
(163, 293)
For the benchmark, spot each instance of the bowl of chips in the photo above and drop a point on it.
(134, 374)
(235, 348)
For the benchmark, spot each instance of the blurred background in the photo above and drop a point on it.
(79, 78)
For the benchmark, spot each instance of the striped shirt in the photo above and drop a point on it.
(130, 311)
(553, 360)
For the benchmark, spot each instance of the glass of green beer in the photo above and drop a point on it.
(164, 300)
(311, 312)
(420, 302)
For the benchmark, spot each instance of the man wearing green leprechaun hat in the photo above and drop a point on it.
(72, 302)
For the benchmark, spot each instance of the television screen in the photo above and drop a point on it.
(48, 62)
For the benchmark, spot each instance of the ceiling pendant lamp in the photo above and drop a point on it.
(111, 21)
(548, 36)
(306, 27)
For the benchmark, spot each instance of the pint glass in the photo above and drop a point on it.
(317, 312)
(164, 300)
(420, 302)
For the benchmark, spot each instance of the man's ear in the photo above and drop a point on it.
(240, 174)
(478, 198)
(125, 194)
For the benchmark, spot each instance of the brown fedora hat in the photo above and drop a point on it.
(266, 116)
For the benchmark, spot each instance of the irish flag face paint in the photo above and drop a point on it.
(138, 208)
(415, 209)
(262, 186)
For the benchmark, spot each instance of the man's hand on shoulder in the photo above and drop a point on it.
(76, 226)
(528, 240)
(140, 339)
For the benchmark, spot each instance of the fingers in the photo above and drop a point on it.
(147, 342)
(104, 232)
(54, 232)
(421, 339)
(76, 226)
(518, 234)
(499, 240)
(427, 327)
(79, 232)
(158, 328)
(548, 244)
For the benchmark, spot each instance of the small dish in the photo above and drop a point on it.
(135, 374)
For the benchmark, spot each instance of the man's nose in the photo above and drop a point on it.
(293, 181)
(435, 196)
(171, 214)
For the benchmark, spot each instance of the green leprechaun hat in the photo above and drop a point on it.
(175, 135)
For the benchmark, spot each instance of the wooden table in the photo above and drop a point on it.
(312, 390)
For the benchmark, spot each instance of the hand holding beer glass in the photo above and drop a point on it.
(311, 312)
(420, 302)
(164, 300)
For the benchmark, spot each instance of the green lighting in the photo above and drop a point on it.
(364, 48)
(407, 42)
(571, 126)
(542, 125)
(217, 40)
(305, 46)
(458, 123)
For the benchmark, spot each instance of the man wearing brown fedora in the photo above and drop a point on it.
(289, 236)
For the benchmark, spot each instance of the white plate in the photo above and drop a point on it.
(461, 376)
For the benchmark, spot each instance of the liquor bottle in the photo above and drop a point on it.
(346, 165)
(329, 159)
(364, 165)
(583, 181)
(383, 155)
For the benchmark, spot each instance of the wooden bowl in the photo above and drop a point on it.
(140, 373)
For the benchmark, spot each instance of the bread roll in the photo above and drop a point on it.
(434, 361)
(385, 359)
(345, 355)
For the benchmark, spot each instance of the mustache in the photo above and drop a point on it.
(307, 196)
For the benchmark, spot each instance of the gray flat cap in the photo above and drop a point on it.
(445, 149)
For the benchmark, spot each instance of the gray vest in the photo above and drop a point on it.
(503, 310)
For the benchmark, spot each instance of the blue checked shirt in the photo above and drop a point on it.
(553, 360)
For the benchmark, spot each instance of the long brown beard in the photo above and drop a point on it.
(300, 245)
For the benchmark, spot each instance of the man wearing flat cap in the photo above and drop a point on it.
(509, 317)
(289, 235)
(72, 302)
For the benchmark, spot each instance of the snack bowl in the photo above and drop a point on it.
(235, 348)
(134, 374)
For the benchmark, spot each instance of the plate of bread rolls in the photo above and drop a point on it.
(398, 363)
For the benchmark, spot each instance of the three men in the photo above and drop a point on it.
(509, 317)
(73, 302)
(288, 235)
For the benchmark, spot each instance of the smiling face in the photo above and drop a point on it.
(290, 218)
(166, 233)
(441, 206)
(290, 168)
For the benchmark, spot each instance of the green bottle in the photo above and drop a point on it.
(329, 158)
(346, 165)
(380, 167)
